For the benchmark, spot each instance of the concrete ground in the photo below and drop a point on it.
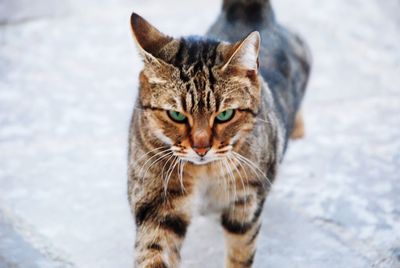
(68, 79)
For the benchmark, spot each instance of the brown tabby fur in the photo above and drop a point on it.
(201, 77)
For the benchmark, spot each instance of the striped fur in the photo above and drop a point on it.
(201, 77)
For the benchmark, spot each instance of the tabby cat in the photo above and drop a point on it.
(211, 123)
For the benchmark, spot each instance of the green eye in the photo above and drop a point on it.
(225, 115)
(177, 116)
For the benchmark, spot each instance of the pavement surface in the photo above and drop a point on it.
(68, 80)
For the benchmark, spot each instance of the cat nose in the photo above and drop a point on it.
(201, 142)
(201, 151)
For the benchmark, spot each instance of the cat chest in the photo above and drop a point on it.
(209, 197)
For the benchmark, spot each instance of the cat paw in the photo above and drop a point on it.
(298, 131)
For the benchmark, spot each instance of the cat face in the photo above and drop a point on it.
(198, 97)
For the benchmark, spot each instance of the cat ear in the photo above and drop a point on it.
(151, 42)
(156, 48)
(244, 53)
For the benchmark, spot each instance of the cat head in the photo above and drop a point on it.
(199, 97)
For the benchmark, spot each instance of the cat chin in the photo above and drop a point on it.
(200, 161)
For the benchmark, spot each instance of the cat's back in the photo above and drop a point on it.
(284, 58)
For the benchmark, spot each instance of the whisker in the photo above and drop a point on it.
(232, 179)
(155, 155)
(142, 156)
(255, 172)
(241, 180)
(165, 164)
(229, 183)
(163, 177)
(264, 121)
(154, 162)
(255, 168)
(224, 177)
(244, 169)
(182, 165)
(169, 173)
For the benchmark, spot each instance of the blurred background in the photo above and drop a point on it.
(68, 80)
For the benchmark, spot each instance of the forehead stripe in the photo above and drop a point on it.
(183, 104)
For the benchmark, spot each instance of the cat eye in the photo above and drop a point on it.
(225, 116)
(177, 116)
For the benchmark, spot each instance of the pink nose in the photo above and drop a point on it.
(201, 142)
(201, 151)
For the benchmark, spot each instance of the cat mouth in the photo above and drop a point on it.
(211, 156)
(200, 162)
(197, 160)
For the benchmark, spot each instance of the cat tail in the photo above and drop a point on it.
(230, 2)
(250, 11)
